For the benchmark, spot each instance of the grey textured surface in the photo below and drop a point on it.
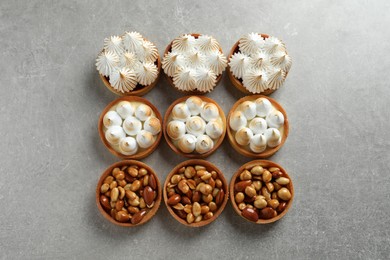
(338, 152)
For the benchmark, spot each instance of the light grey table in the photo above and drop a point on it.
(338, 153)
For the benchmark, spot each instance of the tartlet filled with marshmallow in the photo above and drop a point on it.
(129, 64)
(130, 127)
(258, 64)
(257, 126)
(193, 63)
(194, 126)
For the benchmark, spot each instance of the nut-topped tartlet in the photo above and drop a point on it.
(130, 127)
(194, 126)
(193, 63)
(258, 64)
(257, 126)
(195, 192)
(129, 64)
(128, 193)
(261, 191)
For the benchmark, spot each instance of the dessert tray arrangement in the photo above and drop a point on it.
(195, 192)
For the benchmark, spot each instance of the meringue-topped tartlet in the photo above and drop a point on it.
(258, 64)
(130, 127)
(257, 126)
(129, 64)
(193, 63)
(194, 126)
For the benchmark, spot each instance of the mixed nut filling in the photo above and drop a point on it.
(195, 193)
(128, 193)
(261, 192)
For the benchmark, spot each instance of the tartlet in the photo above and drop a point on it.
(150, 185)
(197, 178)
(129, 65)
(195, 67)
(258, 64)
(130, 127)
(278, 171)
(194, 126)
(257, 126)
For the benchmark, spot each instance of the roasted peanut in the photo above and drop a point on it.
(257, 170)
(274, 203)
(174, 199)
(114, 194)
(267, 176)
(257, 185)
(250, 191)
(190, 218)
(183, 187)
(283, 181)
(284, 194)
(175, 179)
(142, 172)
(109, 179)
(133, 172)
(239, 197)
(245, 175)
(135, 186)
(260, 203)
(104, 188)
(212, 206)
(122, 216)
(196, 209)
(121, 192)
(250, 214)
(208, 215)
(270, 186)
(204, 209)
(113, 185)
(189, 172)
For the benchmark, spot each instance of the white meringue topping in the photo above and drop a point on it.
(153, 125)
(217, 62)
(145, 139)
(258, 143)
(172, 62)
(238, 64)
(275, 119)
(204, 144)
(106, 62)
(142, 112)
(250, 43)
(146, 73)
(195, 105)
(237, 120)
(127, 61)
(205, 79)
(147, 52)
(249, 109)
(281, 60)
(114, 44)
(261, 64)
(176, 129)
(258, 125)
(184, 79)
(243, 136)
(114, 134)
(130, 60)
(201, 62)
(123, 80)
(181, 112)
(209, 112)
(124, 109)
(132, 41)
(187, 143)
(132, 126)
(207, 43)
(273, 136)
(263, 107)
(128, 146)
(195, 59)
(255, 80)
(112, 118)
(273, 44)
(276, 78)
(214, 129)
(183, 43)
(195, 125)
